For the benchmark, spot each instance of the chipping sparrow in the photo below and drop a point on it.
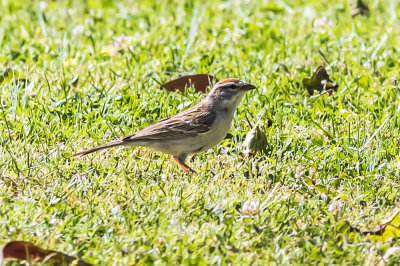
(192, 131)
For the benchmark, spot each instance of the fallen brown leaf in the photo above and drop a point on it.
(199, 81)
(320, 82)
(23, 250)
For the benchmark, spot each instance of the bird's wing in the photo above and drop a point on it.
(195, 120)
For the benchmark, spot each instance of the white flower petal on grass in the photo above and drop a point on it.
(336, 207)
(390, 252)
(250, 207)
(119, 43)
(309, 12)
(322, 24)
(78, 30)
(42, 5)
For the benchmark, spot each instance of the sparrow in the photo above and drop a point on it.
(192, 131)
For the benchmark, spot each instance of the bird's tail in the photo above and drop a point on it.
(102, 147)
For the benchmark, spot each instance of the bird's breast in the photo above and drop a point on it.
(218, 130)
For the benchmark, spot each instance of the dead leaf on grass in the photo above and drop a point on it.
(23, 250)
(320, 82)
(382, 233)
(283, 67)
(12, 75)
(361, 9)
(199, 81)
(256, 141)
(74, 81)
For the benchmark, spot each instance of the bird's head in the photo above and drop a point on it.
(229, 92)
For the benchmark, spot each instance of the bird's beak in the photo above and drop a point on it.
(247, 87)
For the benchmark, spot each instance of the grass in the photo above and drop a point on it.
(70, 81)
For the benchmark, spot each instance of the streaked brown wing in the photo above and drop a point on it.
(193, 121)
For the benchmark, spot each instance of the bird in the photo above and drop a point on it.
(191, 131)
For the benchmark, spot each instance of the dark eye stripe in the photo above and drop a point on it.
(230, 86)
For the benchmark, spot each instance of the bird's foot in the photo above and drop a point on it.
(184, 166)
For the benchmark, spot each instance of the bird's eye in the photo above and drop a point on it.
(232, 87)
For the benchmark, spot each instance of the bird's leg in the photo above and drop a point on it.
(180, 160)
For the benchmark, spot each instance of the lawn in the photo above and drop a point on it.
(75, 74)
